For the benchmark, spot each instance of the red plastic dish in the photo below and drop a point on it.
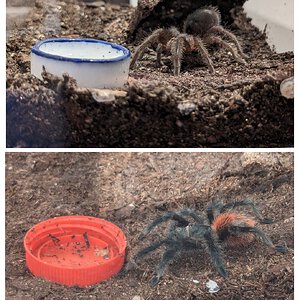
(75, 250)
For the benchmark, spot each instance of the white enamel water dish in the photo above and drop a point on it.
(93, 63)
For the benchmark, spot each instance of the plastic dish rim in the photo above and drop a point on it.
(36, 50)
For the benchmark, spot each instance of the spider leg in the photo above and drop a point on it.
(177, 48)
(167, 258)
(212, 208)
(156, 245)
(160, 36)
(215, 253)
(219, 41)
(190, 212)
(148, 249)
(168, 255)
(158, 52)
(247, 202)
(198, 44)
(181, 222)
(261, 234)
(130, 264)
(231, 36)
(133, 263)
(140, 50)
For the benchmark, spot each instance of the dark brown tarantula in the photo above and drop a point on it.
(201, 28)
(223, 225)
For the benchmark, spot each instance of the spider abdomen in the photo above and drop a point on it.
(200, 21)
(226, 226)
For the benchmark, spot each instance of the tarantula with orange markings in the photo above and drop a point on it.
(201, 28)
(223, 225)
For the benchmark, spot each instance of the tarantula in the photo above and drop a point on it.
(223, 225)
(201, 28)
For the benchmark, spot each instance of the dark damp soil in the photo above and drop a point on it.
(238, 106)
(130, 190)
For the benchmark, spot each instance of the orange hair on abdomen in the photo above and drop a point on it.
(224, 220)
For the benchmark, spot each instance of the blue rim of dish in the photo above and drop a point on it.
(36, 50)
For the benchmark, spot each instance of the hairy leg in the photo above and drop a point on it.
(148, 249)
(133, 263)
(215, 253)
(199, 46)
(213, 208)
(181, 222)
(261, 234)
(167, 258)
(158, 55)
(246, 202)
(167, 35)
(222, 43)
(188, 212)
(231, 36)
(177, 47)
(140, 50)
(169, 240)
(160, 36)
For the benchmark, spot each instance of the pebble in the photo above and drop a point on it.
(179, 123)
(287, 88)
(186, 108)
(212, 286)
(289, 220)
(105, 95)
(95, 3)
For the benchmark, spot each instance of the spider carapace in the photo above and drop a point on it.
(192, 231)
(201, 28)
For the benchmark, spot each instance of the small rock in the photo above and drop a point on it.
(212, 286)
(186, 108)
(104, 95)
(94, 3)
(287, 88)
(289, 220)
(125, 212)
(179, 123)
(196, 281)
